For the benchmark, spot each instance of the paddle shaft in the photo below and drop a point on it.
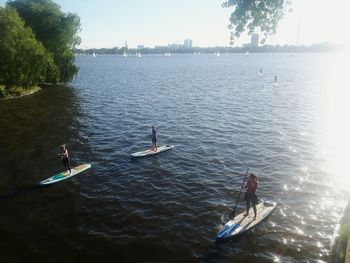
(232, 215)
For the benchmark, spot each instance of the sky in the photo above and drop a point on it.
(109, 23)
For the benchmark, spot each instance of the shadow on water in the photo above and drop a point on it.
(32, 129)
(22, 191)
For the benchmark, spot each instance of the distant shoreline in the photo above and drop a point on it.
(316, 48)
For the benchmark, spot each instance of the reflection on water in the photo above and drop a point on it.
(32, 129)
(221, 116)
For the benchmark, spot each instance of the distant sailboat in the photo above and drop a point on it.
(125, 55)
(247, 53)
(139, 55)
(94, 55)
(218, 54)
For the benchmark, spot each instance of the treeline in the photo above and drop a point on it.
(322, 47)
(36, 42)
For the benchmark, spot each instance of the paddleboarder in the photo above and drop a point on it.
(250, 196)
(154, 139)
(65, 159)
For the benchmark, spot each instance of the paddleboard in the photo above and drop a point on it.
(150, 152)
(63, 176)
(241, 224)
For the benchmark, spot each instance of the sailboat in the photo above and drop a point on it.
(94, 55)
(125, 55)
(139, 55)
(218, 54)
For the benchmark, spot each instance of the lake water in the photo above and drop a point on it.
(221, 116)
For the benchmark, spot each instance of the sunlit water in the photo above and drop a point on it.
(221, 115)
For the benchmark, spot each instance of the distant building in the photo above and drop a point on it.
(175, 46)
(254, 42)
(126, 45)
(140, 46)
(187, 43)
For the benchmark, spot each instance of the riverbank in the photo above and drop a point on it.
(17, 92)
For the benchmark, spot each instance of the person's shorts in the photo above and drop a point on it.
(251, 197)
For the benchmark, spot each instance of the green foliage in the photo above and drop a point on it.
(2, 91)
(24, 61)
(344, 232)
(56, 30)
(255, 15)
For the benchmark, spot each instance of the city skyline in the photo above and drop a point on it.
(153, 23)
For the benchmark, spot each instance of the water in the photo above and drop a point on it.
(220, 115)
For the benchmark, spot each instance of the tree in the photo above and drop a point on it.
(56, 30)
(24, 61)
(252, 15)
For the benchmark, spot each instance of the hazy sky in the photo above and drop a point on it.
(109, 23)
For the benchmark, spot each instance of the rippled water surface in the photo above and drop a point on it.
(220, 115)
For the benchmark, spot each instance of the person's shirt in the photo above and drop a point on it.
(65, 153)
(251, 186)
(154, 133)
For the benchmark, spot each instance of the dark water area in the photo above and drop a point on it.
(220, 115)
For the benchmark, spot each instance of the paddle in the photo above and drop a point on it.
(233, 213)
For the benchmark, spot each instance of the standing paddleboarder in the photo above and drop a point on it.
(250, 196)
(65, 159)
(154, 139)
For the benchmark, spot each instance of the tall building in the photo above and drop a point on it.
(187, 43)
(254, 42)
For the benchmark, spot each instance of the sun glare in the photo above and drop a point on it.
(336, 126)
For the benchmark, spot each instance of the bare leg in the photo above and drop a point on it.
(254, 208)
(248, 206)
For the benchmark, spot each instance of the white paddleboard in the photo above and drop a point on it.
(63, 176)
(241, 224)
(150, 152)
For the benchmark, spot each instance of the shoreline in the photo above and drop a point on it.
(18, 92)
